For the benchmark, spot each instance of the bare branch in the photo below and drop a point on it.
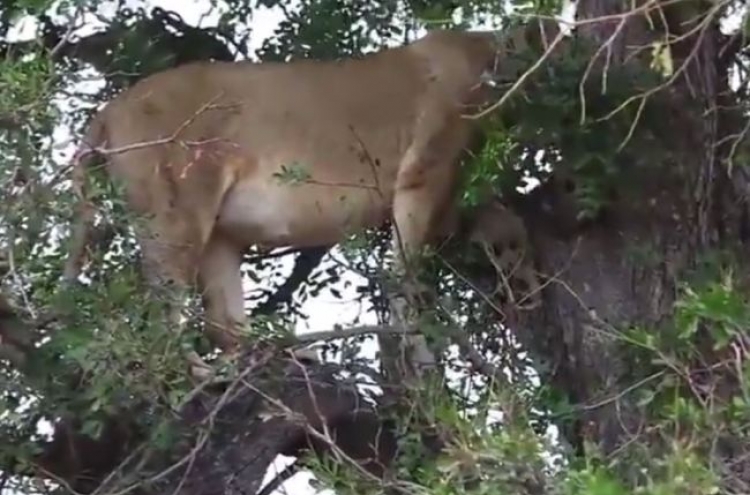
(305, 263)
(345, 333)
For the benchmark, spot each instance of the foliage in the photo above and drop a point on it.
(603, 139)
(103, 353)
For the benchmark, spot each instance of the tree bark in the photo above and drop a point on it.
(227, 437)
(594, 288)
(227, 434)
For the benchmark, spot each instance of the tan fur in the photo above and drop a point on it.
(198, 149)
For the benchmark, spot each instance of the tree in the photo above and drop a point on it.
(633, 129)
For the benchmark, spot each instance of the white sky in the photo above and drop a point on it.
(324, 311)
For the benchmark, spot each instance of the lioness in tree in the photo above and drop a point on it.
(202, 150)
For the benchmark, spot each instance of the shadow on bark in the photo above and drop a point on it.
(227, 435)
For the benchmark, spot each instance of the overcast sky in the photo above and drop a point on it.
(324, 311)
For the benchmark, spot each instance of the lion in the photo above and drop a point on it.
(218, 157)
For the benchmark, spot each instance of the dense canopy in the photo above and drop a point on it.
(620, 148)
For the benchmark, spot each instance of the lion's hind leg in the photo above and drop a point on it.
(180, 201)
(169, 258)
(220, 281)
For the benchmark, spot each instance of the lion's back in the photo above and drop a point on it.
(370, 92)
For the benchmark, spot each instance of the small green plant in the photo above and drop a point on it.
(293, 174)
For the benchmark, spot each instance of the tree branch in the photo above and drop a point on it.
(305, 263)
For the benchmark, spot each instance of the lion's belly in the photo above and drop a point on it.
(303, 215)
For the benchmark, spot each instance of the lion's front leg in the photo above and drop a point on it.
(423, 196)
(416, 210)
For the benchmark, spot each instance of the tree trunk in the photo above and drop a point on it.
(227, 438)
(595, 288)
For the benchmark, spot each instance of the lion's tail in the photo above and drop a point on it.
(82, 161)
